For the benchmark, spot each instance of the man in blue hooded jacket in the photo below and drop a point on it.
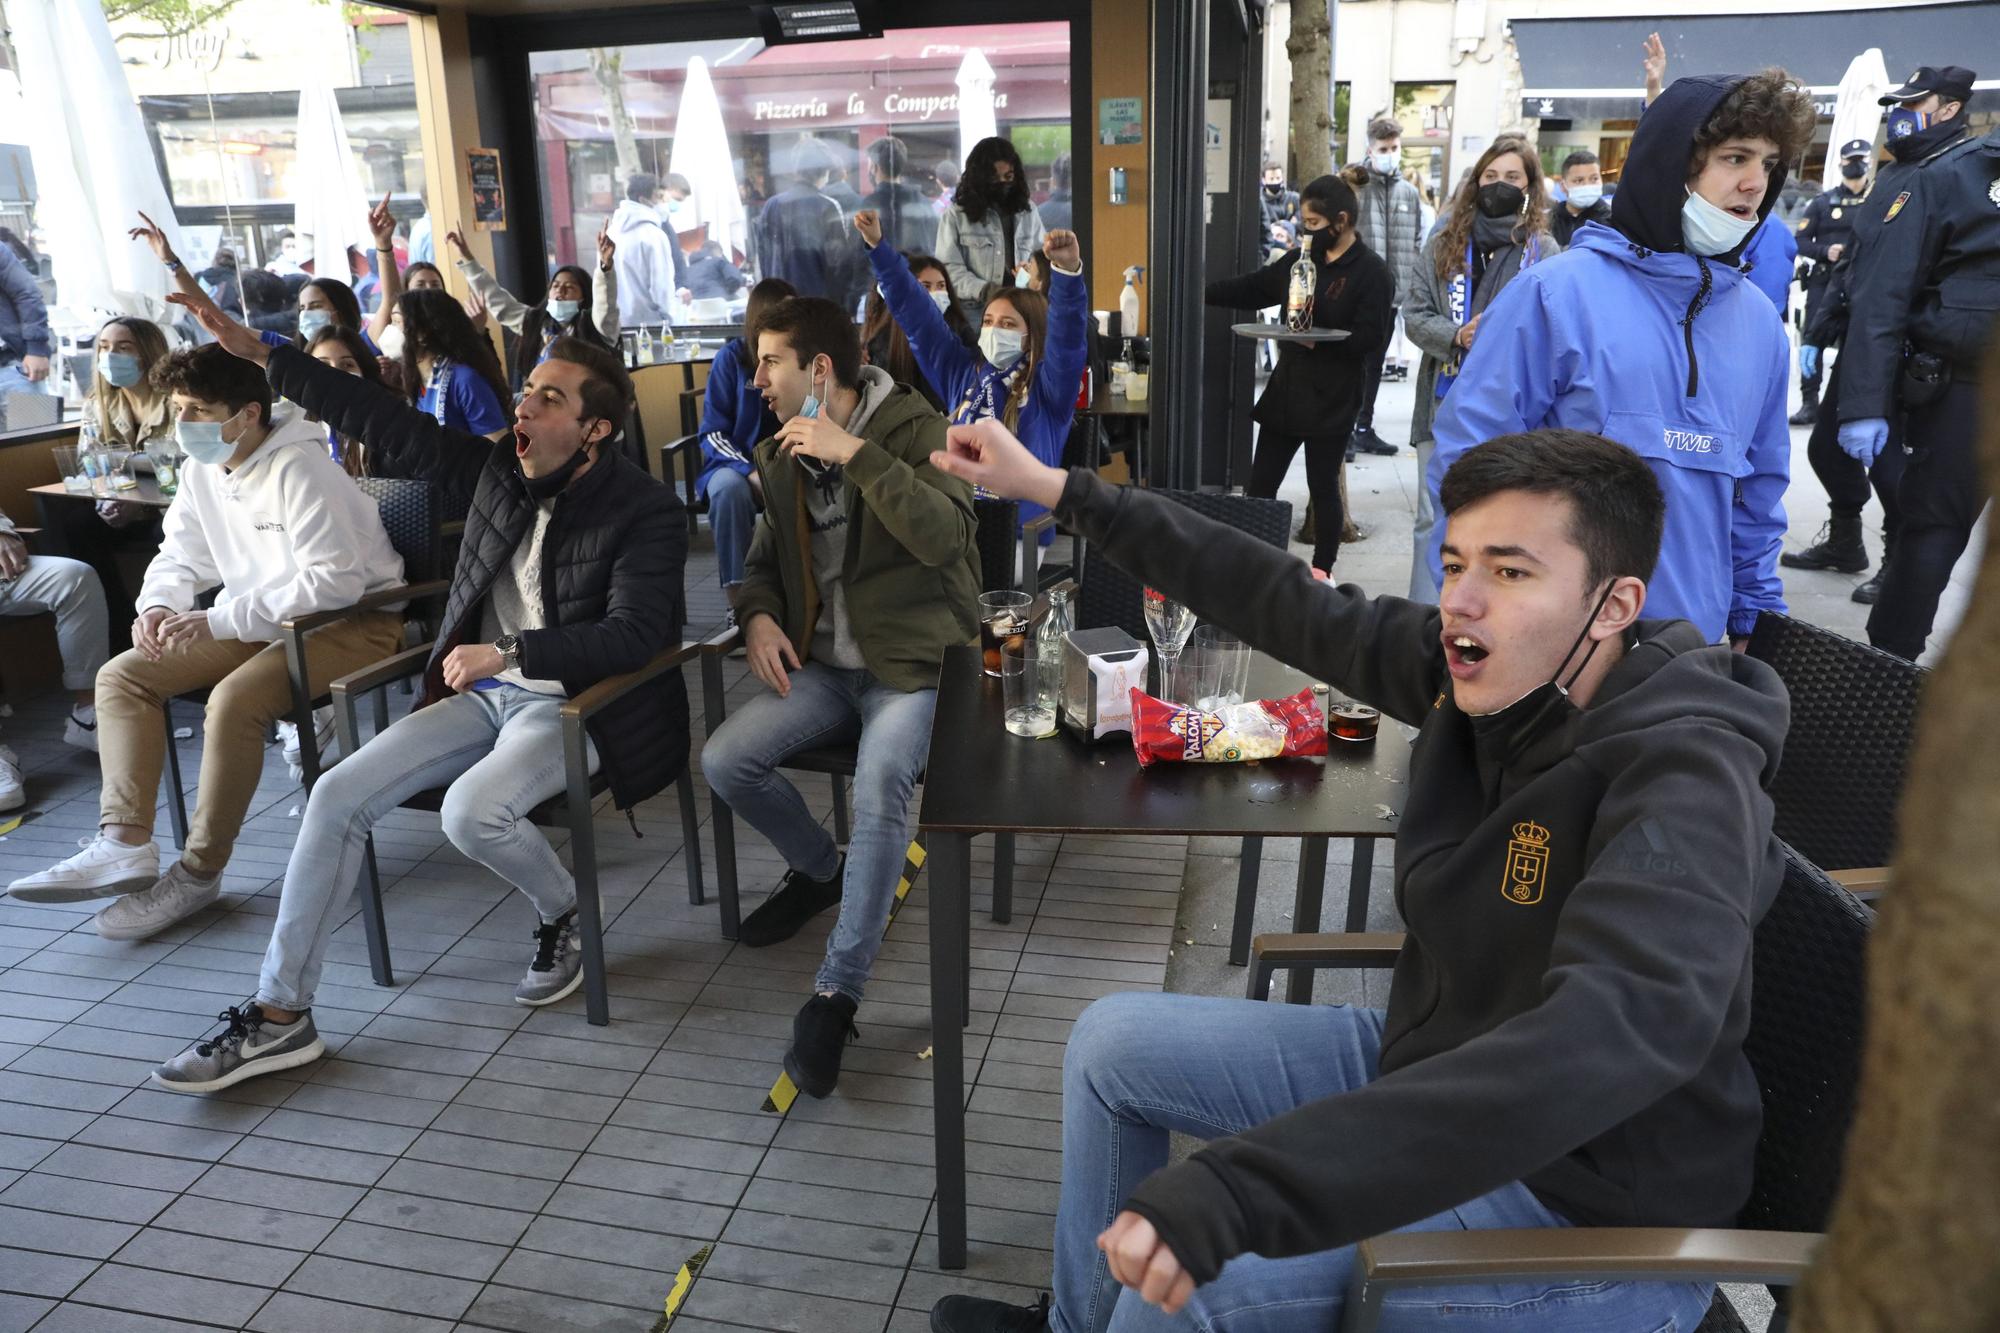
(1649, 331)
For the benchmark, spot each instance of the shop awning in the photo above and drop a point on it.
(1589, 68)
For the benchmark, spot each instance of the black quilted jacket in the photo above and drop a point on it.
(616, 547)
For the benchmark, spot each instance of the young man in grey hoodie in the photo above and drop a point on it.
(1583, 856)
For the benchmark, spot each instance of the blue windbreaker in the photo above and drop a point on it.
(970, 387)
(1630, 336)
(734, 417)
(1772, 254)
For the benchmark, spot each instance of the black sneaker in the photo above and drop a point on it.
(819, 1034)
(1368, 442)
(978, 1314)
(797, 900)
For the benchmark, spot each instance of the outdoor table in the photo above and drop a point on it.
(1110, 405)
(979, 779)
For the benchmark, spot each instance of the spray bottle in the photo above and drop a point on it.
(1128, 306)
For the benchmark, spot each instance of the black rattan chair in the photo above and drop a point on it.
(1840, 779)
(1804, 1045)
(412, 513)
(1107, 595)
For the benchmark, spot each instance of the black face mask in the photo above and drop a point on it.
(1511, 730)
(1274, 190)
(1854, 171)
(1501, 200)
(549, 485)
(1323, 242)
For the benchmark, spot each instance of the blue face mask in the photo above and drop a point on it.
(811, 406)
(312, 321)
(1904, 122)
(562, 310)
(121, 370)
(203, 441)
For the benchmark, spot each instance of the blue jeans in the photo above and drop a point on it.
(732, 513)
(499, 754)
(1141, 1065)
(1423, 588)
(827, 706)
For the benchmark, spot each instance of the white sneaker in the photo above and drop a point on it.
(288, 736)
(80, 728)
(13, 791)
(103, 869)
(178, 895)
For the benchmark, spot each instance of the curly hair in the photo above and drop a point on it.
(1464, 205)
(1769, 104)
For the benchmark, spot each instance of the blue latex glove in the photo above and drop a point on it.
(1808, 361)
(1863, 440)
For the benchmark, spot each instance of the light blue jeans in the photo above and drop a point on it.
(499, 754)
(732, 514)
(829, 705)
(1229, 1065)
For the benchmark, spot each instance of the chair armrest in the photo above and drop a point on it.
(1341, 950)
(713, 705)
(402, 592)
(406, 663)
(1865, 884)
(605, 692)
(1615, 1254)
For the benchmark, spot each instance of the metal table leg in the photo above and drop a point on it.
(951, 926)
(1357, 885)
(1305, 912)
(1246, 901)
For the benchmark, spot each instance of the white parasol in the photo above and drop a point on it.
(1855, 113)
(975, 102)
(325, 181)
(701, 154)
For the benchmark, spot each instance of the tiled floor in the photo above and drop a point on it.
(461, 1162)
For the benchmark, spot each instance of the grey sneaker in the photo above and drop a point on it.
(558, 966)
(176, 896)
(247, 1046)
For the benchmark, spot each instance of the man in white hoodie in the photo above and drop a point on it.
(264, 512)
(652, 272)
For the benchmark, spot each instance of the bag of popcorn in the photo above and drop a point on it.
(1262, 729)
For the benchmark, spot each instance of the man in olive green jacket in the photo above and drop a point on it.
(863, 570)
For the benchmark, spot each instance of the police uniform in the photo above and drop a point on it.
(1829, 221)
(1924, 301)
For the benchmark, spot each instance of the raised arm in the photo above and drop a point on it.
(383, 224)
(155, 238)
(945, 361)
(501, 303)
(604, 291)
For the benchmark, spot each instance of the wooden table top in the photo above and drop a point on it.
(147, 492)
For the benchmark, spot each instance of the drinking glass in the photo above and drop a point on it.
(69, 462)
(1218, 669)
(120, 471)
(1003, 626)
(1028, 687)
(166, 461)
(1353, 722)
(97, 467)
(1169, 623)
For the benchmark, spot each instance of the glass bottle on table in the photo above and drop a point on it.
(1053, 632)
(1169, 623)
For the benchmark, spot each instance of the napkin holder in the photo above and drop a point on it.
(1101, 668)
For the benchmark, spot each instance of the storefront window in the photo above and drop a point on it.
(726, 127)
(213, 152)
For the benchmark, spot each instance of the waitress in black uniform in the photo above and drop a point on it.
(1314, 395)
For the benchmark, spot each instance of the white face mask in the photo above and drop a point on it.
(1709, 230)
(942, 300)
(1386, 163)
(1584, 196)
(1001, 347)
(391, 341)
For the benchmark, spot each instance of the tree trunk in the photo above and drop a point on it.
(1914, 1232)
(1310, 46)
(608, 68)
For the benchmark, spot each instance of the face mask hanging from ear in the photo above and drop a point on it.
(1509, 731)
(550, 484)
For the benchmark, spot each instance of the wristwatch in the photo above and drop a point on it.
(173, 265)
(509, 647)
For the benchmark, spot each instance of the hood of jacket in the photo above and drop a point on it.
(631, 215)
(1652, 185)
(289, 429)
(1677, 269)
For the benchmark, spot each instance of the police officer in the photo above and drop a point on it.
(1925, 297)
(1823, 238)
(1919, 134)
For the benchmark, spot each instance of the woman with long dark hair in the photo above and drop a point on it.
(1314, 395)
(578, 304)
(346, 351)
(886, 345)
(1495, 226)
(1032, 348)
(449, 368)
(992, 226)
(734, 419)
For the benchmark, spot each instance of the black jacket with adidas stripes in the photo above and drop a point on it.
(1570, 1005)
(614, 556)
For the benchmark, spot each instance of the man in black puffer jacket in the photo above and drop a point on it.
(569, 573)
